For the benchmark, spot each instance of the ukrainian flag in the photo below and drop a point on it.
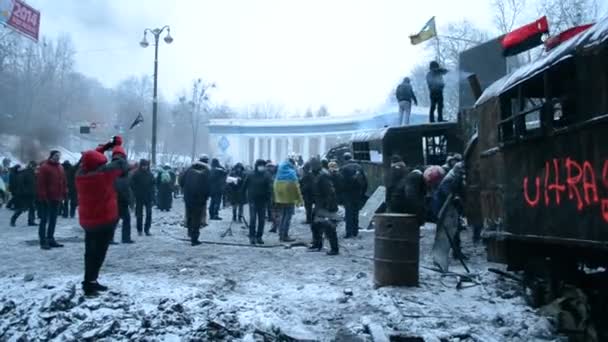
(428, 31)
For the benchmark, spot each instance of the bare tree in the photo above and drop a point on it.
(197, 109)
(508, 13)
(322, 112)
(563, 14)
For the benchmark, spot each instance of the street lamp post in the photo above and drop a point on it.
(144, 44)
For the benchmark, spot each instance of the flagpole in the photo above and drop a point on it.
(438, 50)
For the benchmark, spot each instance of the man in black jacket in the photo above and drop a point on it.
(435, 82)
(195, 185)
(306, 188)
(405, 96)
(123, 196)
(235, 193)
(25, 195)
(258, 187)
(217, 182)
(354, 188)
(325, 214)
(142, 184)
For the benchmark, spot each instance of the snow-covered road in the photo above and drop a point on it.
(164, 289)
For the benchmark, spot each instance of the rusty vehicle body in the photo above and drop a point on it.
(542, 154)
(418, 145)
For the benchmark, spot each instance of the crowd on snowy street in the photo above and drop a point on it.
(287, 197)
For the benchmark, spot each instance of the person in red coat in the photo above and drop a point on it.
(98, 209)
(52, 190)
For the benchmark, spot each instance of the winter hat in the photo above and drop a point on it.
(91, 160)
(144, 162)
(53, 153)
(204, 158)
(119, 151)
(396, 158)
(260, 162)
(347, 156)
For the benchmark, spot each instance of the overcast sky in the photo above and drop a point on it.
(346, 54)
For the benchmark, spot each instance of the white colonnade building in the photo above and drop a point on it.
(245, 140)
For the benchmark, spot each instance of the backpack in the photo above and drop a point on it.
(165, 178)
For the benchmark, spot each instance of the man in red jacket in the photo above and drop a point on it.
(98, 209)
(52, 190)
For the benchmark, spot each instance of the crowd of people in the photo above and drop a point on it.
(106, 190)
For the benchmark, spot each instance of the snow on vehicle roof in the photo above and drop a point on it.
(594, 36)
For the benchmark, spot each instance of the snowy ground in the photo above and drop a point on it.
(165, 290)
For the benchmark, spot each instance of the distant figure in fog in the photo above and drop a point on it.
(195, 185)
(258, 188)
(26, 195)
(405, 96)
(217, 183)
(235, 191)
(165, 182)
(142, 184)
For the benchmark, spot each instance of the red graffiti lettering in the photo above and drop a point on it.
(555, 186)
(605, 174)
(572, 181)
(605, 210)
(589, 184)
(532, 203)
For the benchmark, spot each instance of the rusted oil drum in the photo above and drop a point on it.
(396, 250)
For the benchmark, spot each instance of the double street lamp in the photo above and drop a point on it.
(144, 44)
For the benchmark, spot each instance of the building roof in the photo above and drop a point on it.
(334, 124)
(594, 36)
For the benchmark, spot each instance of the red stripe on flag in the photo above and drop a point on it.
(525, 37)
(564, 36)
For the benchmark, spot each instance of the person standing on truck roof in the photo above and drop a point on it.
(435, 82)
(405, 96)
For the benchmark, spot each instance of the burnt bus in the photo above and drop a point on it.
(539, 161)
(423, 144)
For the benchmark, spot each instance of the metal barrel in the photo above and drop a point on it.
(396, 250)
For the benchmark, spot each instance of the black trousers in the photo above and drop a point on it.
(194, 219)
(139, 215)
(25, 204)
(125, 216)
(237, 211)
(96, 244)
(308, 208)
(69, 207)
(436, 103)
(257, 216)
(351, 216)
(327, 228)
(214, 206)
(48, 211)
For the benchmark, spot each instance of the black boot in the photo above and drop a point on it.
(89, 289)
(54, 244)
(259, 241)
(196, 243)
(332, 236)
(252, 240)
(45, 245)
